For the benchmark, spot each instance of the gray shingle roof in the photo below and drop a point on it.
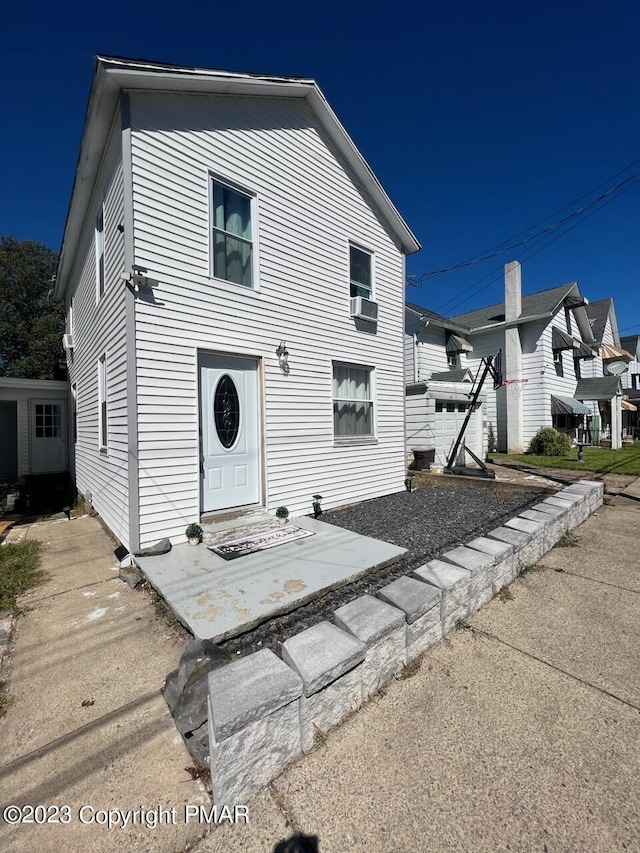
(452, 375)
(437, 319)
(597, 313)
(600, 388)
(630, 343)
(542, 302)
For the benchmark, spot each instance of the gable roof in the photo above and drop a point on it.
(631, 343)
(598, 312)
(113, 74)
(535, 304)
(599, 388)
(461, 375)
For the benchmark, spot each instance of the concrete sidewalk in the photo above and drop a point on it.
(520, 734)
(88, 638)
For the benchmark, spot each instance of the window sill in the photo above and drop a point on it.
(355, 441)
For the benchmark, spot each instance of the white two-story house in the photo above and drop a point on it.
(233, 274)
(556, 356)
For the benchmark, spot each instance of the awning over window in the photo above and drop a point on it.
(609, 353)
(457, 344)
(568, 406)
(582, 350)
(560, 339)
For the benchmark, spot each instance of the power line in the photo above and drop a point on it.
(501, 248)
(544, 239)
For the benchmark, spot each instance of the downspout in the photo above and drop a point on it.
(130, 331)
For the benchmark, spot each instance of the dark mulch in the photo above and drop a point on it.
(427, 522)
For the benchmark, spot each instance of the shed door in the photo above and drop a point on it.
(230, 446)
(48, 435)
(8, 441)
(449, 417)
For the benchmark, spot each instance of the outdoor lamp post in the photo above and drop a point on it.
(317, 509)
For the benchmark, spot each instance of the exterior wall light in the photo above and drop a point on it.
(283, 356)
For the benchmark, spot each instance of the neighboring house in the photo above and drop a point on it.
(551, 342)
(33, 428)
(226, 254)
(631, 387)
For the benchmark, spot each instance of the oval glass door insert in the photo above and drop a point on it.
(226, 411)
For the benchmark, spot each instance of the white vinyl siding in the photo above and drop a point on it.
(103, 422)
(99, 239)
(99, 329)
(306, 206)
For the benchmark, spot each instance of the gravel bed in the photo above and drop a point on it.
(427, 522)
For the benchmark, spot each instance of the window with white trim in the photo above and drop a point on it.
(102, 403)
(352, 401)
(232, 234)
(99, 237)
(360, 272)
(558, 363)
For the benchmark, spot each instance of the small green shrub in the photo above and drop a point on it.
(282, 512)
(549, 442)
(194, 531)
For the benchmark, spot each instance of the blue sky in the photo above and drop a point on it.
(479, 119)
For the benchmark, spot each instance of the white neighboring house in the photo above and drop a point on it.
(226, 253)
(631, 388)
(33, 428)
(553, 339)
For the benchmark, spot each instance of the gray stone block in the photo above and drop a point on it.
(411, 596)
(368, 619)
(493, 547)
(559, 502)
(483, 597)
(506, 570)
(551, 509)
(131, 575)
(424, 633)
(452, 580)
(248, 690)
(524, 525)
(517, 538)
(243, 763)
(330, 706)
(383, 660)
(321, 654)
(534, 515)
(163, 546)
(470, 559)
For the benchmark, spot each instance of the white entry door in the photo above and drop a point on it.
(229, 445)
(48, 436)
(449, 417)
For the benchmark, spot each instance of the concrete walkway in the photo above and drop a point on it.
(520, 734)
(88, 638)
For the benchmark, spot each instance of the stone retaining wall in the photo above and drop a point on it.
(264, 712)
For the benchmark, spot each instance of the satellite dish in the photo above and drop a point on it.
(617, 367)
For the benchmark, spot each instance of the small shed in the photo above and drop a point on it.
(435, 413)
(33, 428)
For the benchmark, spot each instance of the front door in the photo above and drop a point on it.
(229, 432)
(48, 436)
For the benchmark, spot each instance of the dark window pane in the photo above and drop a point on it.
(226, 411)
(360, 271)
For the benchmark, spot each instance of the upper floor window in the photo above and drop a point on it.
(232, 234)
(577, 368)
(99, 233)
(453, 360)
(557, 363)
(567, 314)
(360, 272)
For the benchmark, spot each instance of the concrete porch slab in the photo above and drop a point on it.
(217, 599)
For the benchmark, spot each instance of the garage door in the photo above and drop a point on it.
(448, 421)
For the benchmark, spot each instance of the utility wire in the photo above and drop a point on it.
(455, 302)
(416, 280)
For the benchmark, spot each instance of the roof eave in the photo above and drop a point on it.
(113, 75)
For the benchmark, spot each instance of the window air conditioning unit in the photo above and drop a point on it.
(364, 309)
(67, 342)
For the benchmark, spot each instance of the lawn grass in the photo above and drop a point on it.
(599, 460)
(19, 571)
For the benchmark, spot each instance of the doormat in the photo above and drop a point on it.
(259, 542)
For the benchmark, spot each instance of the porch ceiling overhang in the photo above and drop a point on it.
(456, 343)
(568, 406)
